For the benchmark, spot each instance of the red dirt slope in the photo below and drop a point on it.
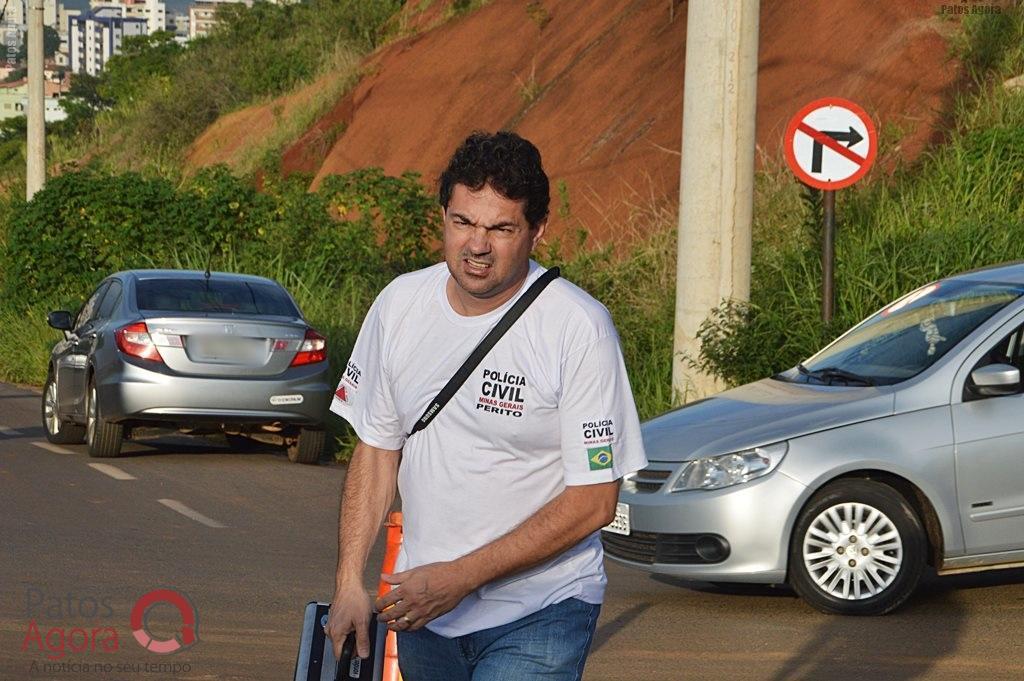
(598, 87)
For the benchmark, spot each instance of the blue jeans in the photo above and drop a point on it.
(550, 644)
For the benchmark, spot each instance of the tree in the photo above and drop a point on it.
(51, 42)
(16, 75)
(14, 128)
(86, 89)
(141, 60)
(82, 101)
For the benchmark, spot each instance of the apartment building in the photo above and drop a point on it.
(95, 37)
(153, 12)
(202, 16)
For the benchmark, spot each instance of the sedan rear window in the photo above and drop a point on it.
(224, 296)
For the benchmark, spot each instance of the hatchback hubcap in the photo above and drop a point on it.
(852, 551)
(50, 409)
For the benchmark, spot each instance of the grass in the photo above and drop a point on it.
(25, 343)
(538, 14)
(338, 77)
(458, 8)
(530, 88)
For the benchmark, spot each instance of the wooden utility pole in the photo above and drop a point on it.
(717, 175)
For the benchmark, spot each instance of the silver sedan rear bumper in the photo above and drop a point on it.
(298, 396)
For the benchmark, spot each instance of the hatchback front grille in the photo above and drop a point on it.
(651, 478)
(655, 547)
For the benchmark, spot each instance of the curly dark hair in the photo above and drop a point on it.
(505, 161)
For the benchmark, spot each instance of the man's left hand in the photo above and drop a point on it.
(421, 594)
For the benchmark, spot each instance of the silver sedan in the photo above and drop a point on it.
(197, 351)
(899, 445)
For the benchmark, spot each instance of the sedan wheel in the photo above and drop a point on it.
(57, 430)
(858, 549)
(103, 437)
(308, 446)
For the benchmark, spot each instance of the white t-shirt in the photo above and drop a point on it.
(549, 406)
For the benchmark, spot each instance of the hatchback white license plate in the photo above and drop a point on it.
(621, 523)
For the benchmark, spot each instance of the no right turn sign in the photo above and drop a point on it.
(830, 143)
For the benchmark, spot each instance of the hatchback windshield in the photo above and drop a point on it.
(225, 296)
(908, 336)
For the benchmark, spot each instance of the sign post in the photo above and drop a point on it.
(830, 144)
(828, 256)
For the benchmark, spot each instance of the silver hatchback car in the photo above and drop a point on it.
(203, 352)
(900, 444)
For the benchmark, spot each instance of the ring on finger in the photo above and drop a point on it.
(405, 618)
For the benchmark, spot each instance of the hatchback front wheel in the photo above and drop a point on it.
(858, 548)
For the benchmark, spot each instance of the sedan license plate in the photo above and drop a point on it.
(621, 523)
(213, 348)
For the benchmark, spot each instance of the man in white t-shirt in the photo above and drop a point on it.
(504, 493)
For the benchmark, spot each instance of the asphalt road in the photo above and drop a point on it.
(250, 538)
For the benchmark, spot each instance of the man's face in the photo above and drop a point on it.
(487, 243)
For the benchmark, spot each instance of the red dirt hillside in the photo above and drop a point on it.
(598, 87)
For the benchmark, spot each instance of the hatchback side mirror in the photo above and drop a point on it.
(59, 320)
(995, 379)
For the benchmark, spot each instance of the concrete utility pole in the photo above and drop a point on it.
(35, 172)
(716, 188)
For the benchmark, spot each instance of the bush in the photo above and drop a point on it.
(84, 225)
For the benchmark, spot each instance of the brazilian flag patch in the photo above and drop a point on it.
(600, 457)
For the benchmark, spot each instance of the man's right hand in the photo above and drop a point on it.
(350, 610)
(369, 493)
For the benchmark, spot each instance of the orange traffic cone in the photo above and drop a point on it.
(394, 543)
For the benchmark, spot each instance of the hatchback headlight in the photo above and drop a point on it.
(725, 470)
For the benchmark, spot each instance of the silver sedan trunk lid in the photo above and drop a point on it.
(226, 346)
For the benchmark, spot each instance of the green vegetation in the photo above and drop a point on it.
(153, 100)
(85, 225)
(538, 13)
(51, 41)
(530, 88)
(265, 152)
(459, 7)
(960, 207)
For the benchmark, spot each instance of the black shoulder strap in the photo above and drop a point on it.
(481, 350)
